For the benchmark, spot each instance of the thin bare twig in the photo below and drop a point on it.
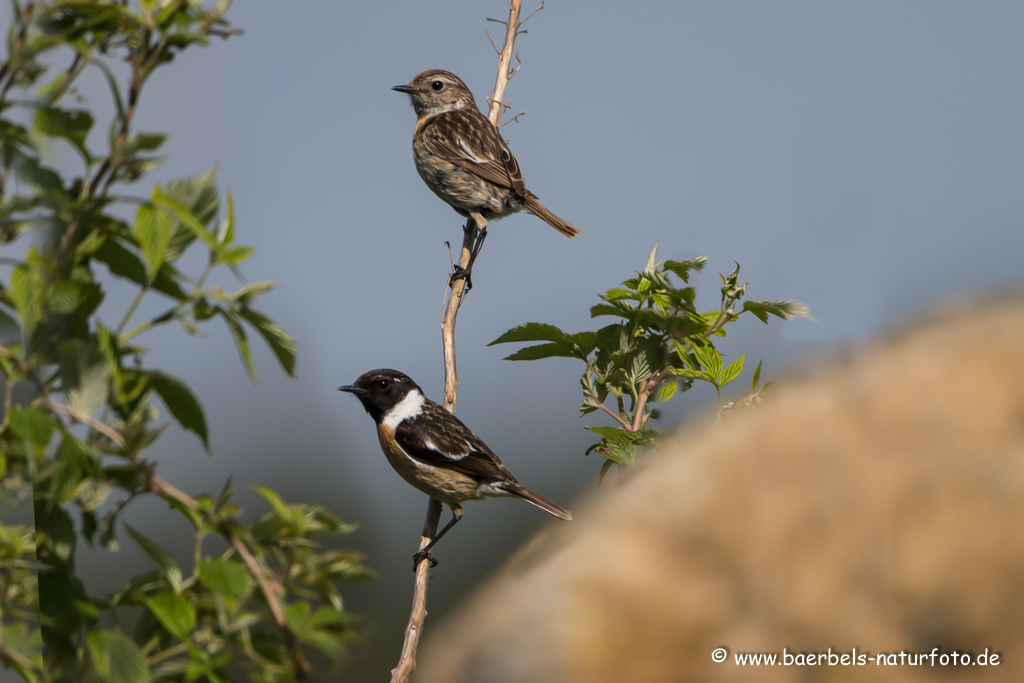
(514, 119)
(225, 33)
(531, 14)
(503, 105)
(414, 629)
(496, 50)
(511, 28)
(80, 417)
(514, 71)
(618, 418)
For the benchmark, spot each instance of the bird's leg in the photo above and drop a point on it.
(475, 233)
(478, 243)
(425, 553)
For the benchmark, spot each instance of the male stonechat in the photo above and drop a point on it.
(434, 451)
(461, 156)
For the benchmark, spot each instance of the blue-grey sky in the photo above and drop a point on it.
(866, 159)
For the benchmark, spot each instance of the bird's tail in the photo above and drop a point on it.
(534, 206)
(520, 491)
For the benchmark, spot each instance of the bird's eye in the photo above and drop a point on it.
(438, 86)
(382, 384)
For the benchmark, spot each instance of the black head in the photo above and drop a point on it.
(381, 390)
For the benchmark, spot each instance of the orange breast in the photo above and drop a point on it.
(447, 486)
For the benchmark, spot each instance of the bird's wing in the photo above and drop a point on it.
(466, 138)
(437, 438)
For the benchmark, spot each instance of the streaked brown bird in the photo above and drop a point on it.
(462, 157)
(434, 451)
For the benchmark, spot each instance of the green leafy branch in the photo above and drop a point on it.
(661, 345)
(80, 402)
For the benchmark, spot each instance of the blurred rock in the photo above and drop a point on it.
(878, 505)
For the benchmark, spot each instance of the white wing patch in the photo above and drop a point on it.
(470, 153)
(408, 407)
(451, 456)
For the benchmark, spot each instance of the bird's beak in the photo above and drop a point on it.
(408, 89)
(352, 389)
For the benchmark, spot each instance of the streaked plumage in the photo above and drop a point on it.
(462, 157)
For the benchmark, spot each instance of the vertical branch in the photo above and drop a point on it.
(455, 297)
(505, 60)
(451, 378)
(407, 660)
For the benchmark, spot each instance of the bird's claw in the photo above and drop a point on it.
(461, 273)
(423, 555)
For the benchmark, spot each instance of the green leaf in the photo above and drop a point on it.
(246, 294)
(781, 309)
(607, 432)
(666, 390)
(74, 461)
(607, 465)
(618, 442)
(659, 281)
(757, 377)
(188, 220)
(174, 612)
(560, 344)
(111, 350)
(683, 268)
(153, 228)
(182, 403)
(541, 351)
(199, 195)
(639, 368)
(732, 278)
(273, 500)
(652, 264)
(123, 263)
(709, 358)
(531, 332)
(615, 294)
(226, 234)
(64, 297)
(32, 424)
(585, 342)
(616, 308)
(733, 370)
(62, 602)
(55, 535)
(297, 616)
(168, 565)
(70, 124)
(85, 375)
(280, 342)
(235, 255)
(225, 577)
(146, 141)
(198, 198)
(27, 291)
(117, 659)
(695, 374)
(241, 343)
(28, 642)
